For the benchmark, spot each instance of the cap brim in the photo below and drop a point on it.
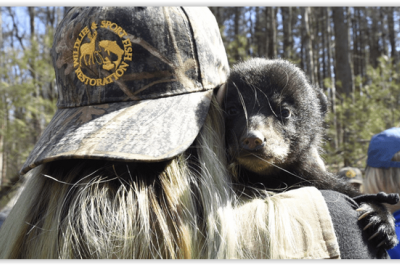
(146, 130)
(355, 181)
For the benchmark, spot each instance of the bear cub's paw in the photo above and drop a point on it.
(377, 221)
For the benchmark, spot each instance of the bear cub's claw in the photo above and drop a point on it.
(378, 223)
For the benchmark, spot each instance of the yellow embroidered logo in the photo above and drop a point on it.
(105, 53)
(350, 173)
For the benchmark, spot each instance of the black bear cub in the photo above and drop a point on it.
(274, 127)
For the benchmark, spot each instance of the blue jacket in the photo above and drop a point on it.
(394, 253)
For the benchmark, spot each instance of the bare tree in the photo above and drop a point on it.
(356, 36)
(287, 32)
(261, 32)
(17, 34)
(236, 30)
(392, 37)
(374, 34)
(271, 32)
(316, 22)
(307, 45)
(344, 73)
(364, 54)
(251, 29)
(383, 30)
(328, 35)
(37, 128)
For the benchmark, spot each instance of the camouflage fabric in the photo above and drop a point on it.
(134, 83)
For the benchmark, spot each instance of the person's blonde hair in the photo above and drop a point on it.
(188, 207)
(383, 179)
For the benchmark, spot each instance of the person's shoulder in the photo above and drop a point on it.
(396, 215)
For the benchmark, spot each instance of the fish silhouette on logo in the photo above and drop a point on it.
(111, 46)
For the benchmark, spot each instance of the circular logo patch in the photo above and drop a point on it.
(110, 56)
(350, 173)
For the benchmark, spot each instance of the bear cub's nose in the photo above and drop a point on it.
(253, 140)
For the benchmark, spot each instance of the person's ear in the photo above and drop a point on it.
(221, 94)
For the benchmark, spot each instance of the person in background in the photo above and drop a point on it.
(383, 172)
(353, 176)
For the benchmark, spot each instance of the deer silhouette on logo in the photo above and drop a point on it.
(89, 48)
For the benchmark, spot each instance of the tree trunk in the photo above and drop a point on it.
(364, 41)
(336, 138)
(267, 31)
(392, 38)
(236, 30)
(324, 45)
(317, 42)
(356, 42)
(271, 32)
(287, 32)
(307, 46)
(273, 44)
(35, 116)
(344, 76)
(51, 12)
(374, 38)
(257, 33)
(383, 30)
(50, 16)
(251, 31)
(31, 11)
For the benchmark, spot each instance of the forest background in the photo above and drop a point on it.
(352, 53)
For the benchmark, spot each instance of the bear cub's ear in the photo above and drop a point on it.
(323, 101)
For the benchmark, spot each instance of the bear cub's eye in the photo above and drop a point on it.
(232, 111)
(285, 113)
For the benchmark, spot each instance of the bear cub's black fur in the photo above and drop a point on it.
(274, 127)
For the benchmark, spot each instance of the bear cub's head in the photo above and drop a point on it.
(273, 115)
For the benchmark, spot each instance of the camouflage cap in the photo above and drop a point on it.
(134, 83)
(351, 175)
